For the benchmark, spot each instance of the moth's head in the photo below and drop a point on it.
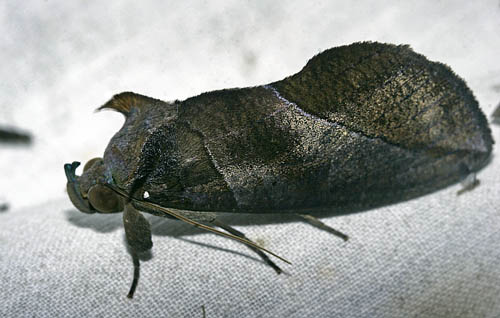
(88, 192)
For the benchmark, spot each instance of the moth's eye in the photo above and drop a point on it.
(104, 200)
(76, 198)
(90, 163)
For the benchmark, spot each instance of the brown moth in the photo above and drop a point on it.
(359, 126)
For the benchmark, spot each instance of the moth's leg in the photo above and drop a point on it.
(137, 273)
(138, 234)
(469, 183)
(234, 231)
(317, 223)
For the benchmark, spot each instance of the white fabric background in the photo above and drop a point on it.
(436, 256)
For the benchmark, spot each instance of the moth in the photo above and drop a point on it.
(361, 125)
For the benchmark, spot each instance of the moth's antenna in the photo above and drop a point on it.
(178, 216)
(208, 228)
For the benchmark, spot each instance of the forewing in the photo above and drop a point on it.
(390, 92)
(365, 123)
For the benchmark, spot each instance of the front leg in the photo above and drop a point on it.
(138, 234)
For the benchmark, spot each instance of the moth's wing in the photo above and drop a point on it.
(137, 230)
(365, 123)
(368, 122)
(418, 125)
(245, 147)
(392, 93)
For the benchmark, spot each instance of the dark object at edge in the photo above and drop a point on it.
(496, 115)
(14, 136)
(4, 206)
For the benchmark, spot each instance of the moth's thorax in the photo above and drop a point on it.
(123, 153)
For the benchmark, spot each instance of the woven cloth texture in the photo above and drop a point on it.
(432, 257)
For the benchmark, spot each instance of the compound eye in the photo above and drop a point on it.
(76, 198)
(104, 200)
(90, 163)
